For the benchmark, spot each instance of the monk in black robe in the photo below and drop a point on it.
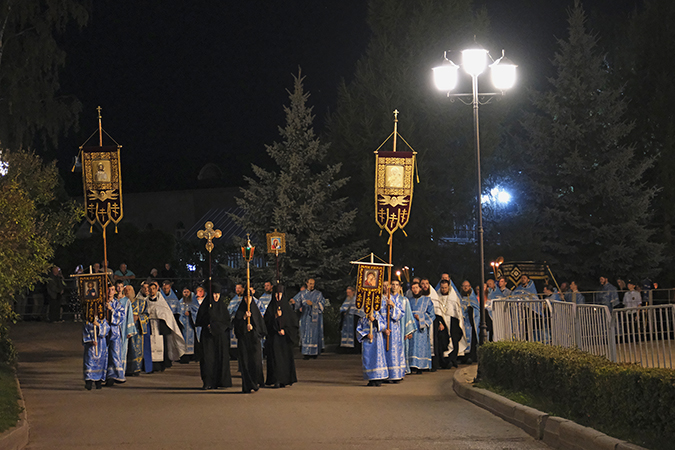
(282, 329)
(441, 343)
(214, 319)
(249, 348)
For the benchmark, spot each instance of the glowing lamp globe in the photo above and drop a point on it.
(474, 61)
(445, 76)
(503, 73)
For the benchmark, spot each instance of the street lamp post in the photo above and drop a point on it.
(474, 62)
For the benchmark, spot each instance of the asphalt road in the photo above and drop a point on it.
(329, 408)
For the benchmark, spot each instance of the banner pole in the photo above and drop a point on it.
(391, 247)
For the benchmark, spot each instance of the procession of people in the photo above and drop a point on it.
(423, 329)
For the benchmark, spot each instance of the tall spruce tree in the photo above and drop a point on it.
(581, 177)
(646, 72)
(408, 40)
(300, 198)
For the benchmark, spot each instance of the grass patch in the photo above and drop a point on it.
(9, 398)
(546, 405)
(533, 401)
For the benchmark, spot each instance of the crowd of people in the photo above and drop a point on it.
(422, 329)
(149, 331)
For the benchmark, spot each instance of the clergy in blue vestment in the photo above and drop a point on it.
(526, 290)
(369, 333)
(420, 344)
(395, 356)
(186, 306)
(94, 338)
(500, 292)
(573, 295)
(140, 343)
(551, 293)
(490, 289)
(608, 295)
(117, 312)
(264, 299)
(349, 315)
(471, 313)
(407, 330)
(537, 322)
(170, 296)
(128, 328)
(200, 295)
(311, 303)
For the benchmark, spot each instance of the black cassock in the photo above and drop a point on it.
(279, 349)
(249, 349)
(442, 340)
(214, 319)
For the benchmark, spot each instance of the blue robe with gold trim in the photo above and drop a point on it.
(116, 361)
(311, 321)
(95, 356)
(373, 356)
(350, 313)
(395, 356)
(407, 329)
(127, 329)
(420, 343)
(187, 323)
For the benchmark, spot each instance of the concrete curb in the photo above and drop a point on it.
(556, 432)
(16, 438)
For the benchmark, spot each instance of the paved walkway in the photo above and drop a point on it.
(330, 408)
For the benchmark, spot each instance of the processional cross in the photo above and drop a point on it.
(209, 234)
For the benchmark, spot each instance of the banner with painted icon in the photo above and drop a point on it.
(102, 180)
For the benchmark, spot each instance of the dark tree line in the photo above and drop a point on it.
(588, 156)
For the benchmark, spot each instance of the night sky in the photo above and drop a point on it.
(181, 86)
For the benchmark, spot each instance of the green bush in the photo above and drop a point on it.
(623, 400)
(8, 352)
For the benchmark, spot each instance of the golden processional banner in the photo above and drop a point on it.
(102, 182)
(394, 173)
(93, 293)
(369, 286)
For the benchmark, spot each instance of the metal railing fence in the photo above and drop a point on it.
(642, 335)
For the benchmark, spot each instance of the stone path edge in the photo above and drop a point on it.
(16, 438)
(556, 432)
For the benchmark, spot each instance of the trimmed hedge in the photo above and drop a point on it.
(622, 400)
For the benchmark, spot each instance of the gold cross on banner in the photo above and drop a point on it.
(209, 234)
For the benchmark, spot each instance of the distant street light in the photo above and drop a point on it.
(4, 165)
(474, 62)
